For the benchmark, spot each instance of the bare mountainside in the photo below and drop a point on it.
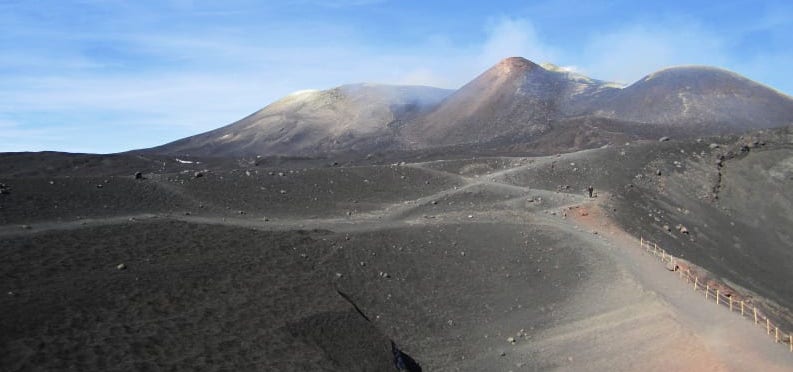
(516, 102)
(351, 117)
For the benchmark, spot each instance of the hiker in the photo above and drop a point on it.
(590, 189)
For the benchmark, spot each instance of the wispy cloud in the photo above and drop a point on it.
(634, 50)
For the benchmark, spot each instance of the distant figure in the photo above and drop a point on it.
(590, 189)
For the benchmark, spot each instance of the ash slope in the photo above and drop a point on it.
(355, 118)
(516, 102)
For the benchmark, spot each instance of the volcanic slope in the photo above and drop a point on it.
(359, 117)
(516, 97)
(515, 103)
(700, 100)
(486, 264)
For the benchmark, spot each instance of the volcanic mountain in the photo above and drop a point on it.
(514, 102)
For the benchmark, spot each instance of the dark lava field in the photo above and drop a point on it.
(494, 262)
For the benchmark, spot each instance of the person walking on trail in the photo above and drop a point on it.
(590, 189)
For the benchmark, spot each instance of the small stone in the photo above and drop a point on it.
(138, 175)
(282, 192)
(121, 266)
(470, 216)
(99, 186)
(198, 175)
(713, 146)
(663, 139)
(26, 227)
(511, 340)
(502, 353)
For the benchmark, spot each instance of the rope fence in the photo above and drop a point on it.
(715, 293)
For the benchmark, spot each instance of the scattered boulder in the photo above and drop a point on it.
(99, 186)
(121, 266)
(663, 139)
(713, 146)
(511, 340)
(198, 175)
(138, 175)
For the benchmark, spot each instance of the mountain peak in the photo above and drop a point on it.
(515, 64)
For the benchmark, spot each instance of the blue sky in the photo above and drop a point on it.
(114, 75)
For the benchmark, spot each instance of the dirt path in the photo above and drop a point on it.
(707, 335)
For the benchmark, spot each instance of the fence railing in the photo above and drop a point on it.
(716, 294)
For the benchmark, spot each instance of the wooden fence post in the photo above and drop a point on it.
(776, 334)
(767, 326)
(791, 342)
(717, 296)
(730, 303)
(695, 283)
(755, 314)
(707, 289)
(742, 308)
